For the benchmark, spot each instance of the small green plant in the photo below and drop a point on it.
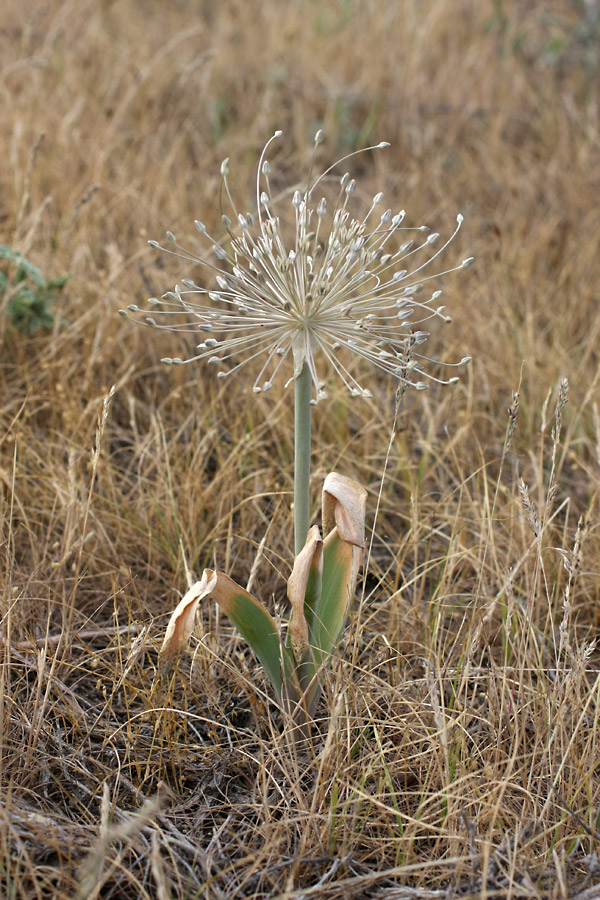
(27, 295)
(320, 590)
(347, 288)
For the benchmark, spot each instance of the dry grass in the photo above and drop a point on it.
(458, 751)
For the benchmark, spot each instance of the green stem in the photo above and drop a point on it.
(302, 411)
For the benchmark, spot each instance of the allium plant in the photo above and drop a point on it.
(347, 288)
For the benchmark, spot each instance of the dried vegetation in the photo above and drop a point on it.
(457, 753)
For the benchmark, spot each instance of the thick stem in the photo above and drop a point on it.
(302, 411)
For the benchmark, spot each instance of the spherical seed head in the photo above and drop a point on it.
(332, 289)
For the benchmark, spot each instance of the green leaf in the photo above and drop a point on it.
(28, 270)
(344, 518)
(255, 625)
(57, 284)
(333, 605)
(249, 617)
(7, 252)
(25, 269)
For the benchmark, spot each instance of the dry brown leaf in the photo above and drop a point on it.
(344, 503)
(181, 623)
(310, 555)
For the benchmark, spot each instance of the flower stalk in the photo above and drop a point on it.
(302, 428)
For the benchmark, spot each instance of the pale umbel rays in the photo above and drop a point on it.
(345, 285)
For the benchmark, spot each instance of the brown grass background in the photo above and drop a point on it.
(457, 751)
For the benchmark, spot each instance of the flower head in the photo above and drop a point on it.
(347, 286)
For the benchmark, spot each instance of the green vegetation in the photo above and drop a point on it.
(28, 296)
